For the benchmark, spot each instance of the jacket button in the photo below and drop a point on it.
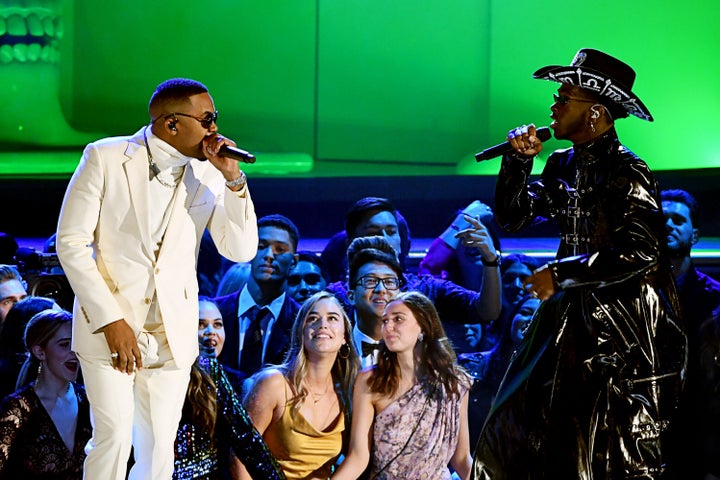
(147, 301)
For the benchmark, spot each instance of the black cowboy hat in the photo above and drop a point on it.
(600, 73)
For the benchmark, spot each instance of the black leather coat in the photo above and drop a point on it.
(591, 391)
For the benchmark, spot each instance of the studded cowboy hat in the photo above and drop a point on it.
(600, 73)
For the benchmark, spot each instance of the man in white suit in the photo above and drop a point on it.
(128, 239)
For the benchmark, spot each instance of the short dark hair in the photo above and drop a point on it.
(175, 90)
(363, 209)
(315, 259)
(364, 250)
(681, 196)
(284, 223)
(531, 262)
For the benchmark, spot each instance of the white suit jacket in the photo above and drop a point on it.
(105, 249)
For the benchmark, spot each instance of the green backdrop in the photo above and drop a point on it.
(348, 87)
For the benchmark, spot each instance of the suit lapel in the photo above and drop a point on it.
(137, 171)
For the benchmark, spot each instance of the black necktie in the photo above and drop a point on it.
(251, 356)
(368, 348)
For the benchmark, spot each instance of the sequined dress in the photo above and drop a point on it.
(201, 456)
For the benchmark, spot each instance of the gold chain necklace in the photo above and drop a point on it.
(318, 396)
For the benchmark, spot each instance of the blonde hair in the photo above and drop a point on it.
(345, 367)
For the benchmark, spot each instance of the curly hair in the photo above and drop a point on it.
(436, 353)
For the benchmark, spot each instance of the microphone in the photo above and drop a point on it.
(542, 133)
(236, 154)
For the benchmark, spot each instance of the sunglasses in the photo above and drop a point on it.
(309, 279)
(564, 100)
(205, 121)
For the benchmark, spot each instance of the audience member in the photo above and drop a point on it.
(456, 305)
(514, 270)
(45, 425)
(234, 279)
(368, 216)
(211, 266)
(410, 410)
(699, 296)
(455, 256)
(12, 339)
(12, 289)
(306, 277)
(488, 368)
(699, 293)
(375, 277)
(258, 318)
(215, 431)
(302, 407)
(473, 338)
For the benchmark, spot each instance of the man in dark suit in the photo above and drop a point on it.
(258, 318)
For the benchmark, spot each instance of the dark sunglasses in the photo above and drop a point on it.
(310, 279)
(205, 121)
(564, 100)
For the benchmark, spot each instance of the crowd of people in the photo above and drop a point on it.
(353, 362)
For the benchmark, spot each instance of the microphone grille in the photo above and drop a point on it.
(543, 134)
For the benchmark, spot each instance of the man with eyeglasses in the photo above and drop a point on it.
(591, 391)
(128, 236)
(374, 278)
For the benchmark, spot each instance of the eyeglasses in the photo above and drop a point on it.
(371, 283)
(564, 100)
(205, 121)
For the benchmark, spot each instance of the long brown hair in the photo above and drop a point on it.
(201, 400)
(436, 354)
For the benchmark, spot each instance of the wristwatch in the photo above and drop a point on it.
(238, 182)
(495, 262)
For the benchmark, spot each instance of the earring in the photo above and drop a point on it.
(421, 336)
(592, 127)
(344, 351)
(39, 372)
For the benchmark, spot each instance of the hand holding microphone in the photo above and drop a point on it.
(236, 154)
(526, 140)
